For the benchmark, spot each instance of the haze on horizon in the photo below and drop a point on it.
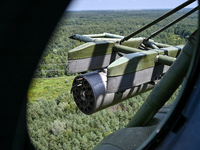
(83, 5)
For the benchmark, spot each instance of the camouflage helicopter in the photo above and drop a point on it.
(25, 29)
(125, 67)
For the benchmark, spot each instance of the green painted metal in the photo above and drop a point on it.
(98, 48)
(81, 38)
(131, 63)
(125, 49)
(95, 35)
(161, 45)
(166, 60)
(140, 60)
(91, 49)
(109, 35)
(104, 35)
(134, 42)
(166, 87)
(150, 44)
(172, 51)
(106, 39)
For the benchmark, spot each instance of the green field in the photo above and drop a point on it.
(49, 88)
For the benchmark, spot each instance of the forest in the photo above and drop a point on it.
(53, 120)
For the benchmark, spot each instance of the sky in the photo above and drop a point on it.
(78, 5)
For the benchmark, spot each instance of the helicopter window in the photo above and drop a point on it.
(87, 85)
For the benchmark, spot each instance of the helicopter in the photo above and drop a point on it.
(125, 67)
(22, 45)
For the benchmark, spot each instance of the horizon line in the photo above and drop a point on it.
(126, 9)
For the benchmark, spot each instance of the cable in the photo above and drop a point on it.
(158, 19)
(172, 23)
